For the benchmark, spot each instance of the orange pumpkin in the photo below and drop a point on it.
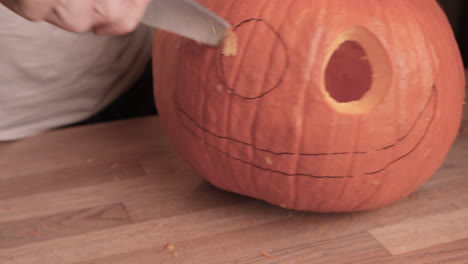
(329, 105)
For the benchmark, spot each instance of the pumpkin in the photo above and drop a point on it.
(327, 105)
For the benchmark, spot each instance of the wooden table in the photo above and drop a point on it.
(117, 193)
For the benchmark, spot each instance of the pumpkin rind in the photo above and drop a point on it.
(261, 123)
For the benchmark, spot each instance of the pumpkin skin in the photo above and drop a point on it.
(280, 123)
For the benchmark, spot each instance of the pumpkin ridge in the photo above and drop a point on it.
(228, 125)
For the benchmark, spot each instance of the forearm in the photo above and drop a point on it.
(109, 17)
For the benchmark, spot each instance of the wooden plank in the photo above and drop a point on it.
(152, 195)
(153, 205)
(49, 203)
(156, 233)
(105, 144)
(334, 225)
(449, 253)
(247, 245)
(187, 193)
(345, 249)
(156, 179)
(62, 225)
(300, 228)
(89, 173)
(419, 233)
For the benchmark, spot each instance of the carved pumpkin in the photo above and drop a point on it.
(329, 105)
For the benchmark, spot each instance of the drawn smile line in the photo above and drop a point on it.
(433, 97)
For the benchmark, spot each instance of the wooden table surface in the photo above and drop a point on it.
(117, 193)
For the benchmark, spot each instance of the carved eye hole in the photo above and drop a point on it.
(357, 73)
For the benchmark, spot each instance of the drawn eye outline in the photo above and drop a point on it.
(221, 71)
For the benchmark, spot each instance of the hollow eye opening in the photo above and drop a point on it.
(357, 72)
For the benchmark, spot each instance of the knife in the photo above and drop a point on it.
(186, 18)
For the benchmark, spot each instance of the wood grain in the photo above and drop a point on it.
(62, 225)
(69, 177)
(449, 253)
(191, 196)
(414, 234)
(118, 193)
(215, 249)
(43, 204)
(142, 235)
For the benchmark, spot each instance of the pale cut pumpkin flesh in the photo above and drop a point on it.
(230, 44)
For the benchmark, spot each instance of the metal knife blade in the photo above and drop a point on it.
(186, 18)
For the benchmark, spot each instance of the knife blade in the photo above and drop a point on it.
(186, 18)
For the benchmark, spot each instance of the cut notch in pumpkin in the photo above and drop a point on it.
(230, 44)
(357, 72)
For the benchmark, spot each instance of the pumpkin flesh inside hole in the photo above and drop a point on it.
(348, 76)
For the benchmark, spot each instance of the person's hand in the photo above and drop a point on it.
(108, 17)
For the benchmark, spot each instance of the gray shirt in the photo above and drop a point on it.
(51, 78)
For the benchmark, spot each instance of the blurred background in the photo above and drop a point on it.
(457, 12)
